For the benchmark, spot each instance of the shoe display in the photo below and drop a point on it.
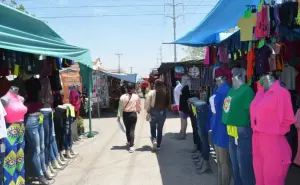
(73, 153)
(52, 170)
(131, 150)
(69, 155)
(47, 175)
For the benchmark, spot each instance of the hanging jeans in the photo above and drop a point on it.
(130, 119)
(35, 137)
(202, 119)
(271, 158)
(59, 122)
(241, 157)
(47, 130)
(14, 172)
(158, 118)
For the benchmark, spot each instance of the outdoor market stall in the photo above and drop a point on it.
(248, 61)
(34, 53)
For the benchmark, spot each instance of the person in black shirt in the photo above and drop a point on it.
(184, 110)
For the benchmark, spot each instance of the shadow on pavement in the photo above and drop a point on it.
(119, 148)
(145, 148)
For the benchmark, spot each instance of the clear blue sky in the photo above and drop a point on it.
(137, 37)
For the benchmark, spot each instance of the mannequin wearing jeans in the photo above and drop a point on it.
(219, 132)
(237, 118)
(13, 170)
(271, 117)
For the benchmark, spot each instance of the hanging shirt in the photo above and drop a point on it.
(262, 56)
(223, 54)
(74, 99)
(33, 87)
(3, 132)
(288, 77)
(46, 93)
(250, 63)
(246, 26)
(272, 111)
(207, 56)
(219, 131)
(236, 106)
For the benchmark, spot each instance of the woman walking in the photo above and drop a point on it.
(129, 106)
(156, 104)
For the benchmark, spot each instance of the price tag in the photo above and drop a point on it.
(41, 119)
(236, 141)
(52, 115)
(234, 56)
(261, 43)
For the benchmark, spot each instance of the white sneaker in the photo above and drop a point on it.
(154, 145)
(131, 150)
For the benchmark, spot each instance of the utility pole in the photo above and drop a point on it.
(131, 70)
(119, 58)
(174, 17)
(161, 55)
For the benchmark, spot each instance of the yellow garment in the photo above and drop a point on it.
(194, 110)
(16, 70)
(41, 120)
(232, 131)
(246, 26)
(67, 112)
(72, 109)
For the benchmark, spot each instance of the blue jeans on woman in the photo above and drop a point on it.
(34, 132)
(241, 157)
(158, 118)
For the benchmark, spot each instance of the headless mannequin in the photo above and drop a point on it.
(223, 158)
(269, 80)
(5, 99)
(61, 152)
(238, 81)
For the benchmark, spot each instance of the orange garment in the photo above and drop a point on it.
(280, 57)
(250, 63)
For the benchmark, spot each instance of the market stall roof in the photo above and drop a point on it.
(126, 77)
(165, 66)
(224, 16)
(22, 32)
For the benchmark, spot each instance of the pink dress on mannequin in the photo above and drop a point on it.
(297, 124)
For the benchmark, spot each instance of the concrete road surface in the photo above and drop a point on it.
(103, 160)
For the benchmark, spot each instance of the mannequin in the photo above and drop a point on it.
(68, 134)
(183, 105)
(196, 138)
(14, 142)
(271, 116)
(59, 122)
(219, 132)
(236, 116)
(202, 164)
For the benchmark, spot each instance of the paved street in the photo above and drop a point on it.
(104, 160)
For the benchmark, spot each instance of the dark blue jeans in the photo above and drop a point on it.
(67, 134)
(202, 118)
(241, 157)
(34, 133)
(47, 131)
(53, 145)
(158, 118)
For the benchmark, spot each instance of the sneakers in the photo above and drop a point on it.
(154, 148)
(131, 150)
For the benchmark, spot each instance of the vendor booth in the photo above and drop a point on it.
(252, 68)
(36, 125)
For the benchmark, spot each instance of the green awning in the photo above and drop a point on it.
(22, 32)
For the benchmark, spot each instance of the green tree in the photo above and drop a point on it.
(194, 53)
(14, 4)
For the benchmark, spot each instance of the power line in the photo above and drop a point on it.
(109, 6)
(111, 15)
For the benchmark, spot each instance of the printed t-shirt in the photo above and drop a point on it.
(236, 106)
(3, 132)
(288, 76)
(246, 26)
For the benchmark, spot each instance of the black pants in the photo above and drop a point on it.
(196, 137)
(59, 123)
(130, 119)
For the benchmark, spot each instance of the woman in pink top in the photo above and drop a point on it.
(129, 106)
(271, 116)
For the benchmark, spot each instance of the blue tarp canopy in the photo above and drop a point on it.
(224, 16)
(126, 77)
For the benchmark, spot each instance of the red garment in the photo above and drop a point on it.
(74, 99)
(224, 71)
(34, 107)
